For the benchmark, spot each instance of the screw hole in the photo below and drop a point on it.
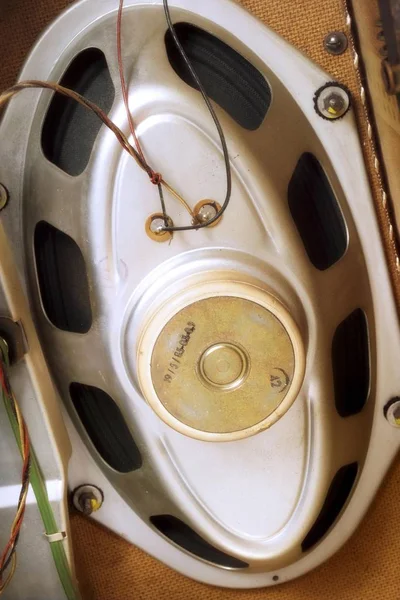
(275, 578)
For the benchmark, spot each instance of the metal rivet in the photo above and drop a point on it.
(87, 499)
(206, 213)
(157, 225)
(155, 228)
(335, 42)
(332, 101)
(206, 210)
(4, 196)
(392, 412)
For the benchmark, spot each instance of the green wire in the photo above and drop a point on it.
(39, 487)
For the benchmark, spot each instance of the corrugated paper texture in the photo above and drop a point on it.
(109, 568)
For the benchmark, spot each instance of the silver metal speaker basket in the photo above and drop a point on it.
(272, 493)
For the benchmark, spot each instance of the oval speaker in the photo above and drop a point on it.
(224, 385)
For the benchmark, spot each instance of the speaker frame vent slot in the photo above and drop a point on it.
(228, 78)
(351, 364)
(106, 427)
(336, 498)
(316, 213)
(186, 538)
(70, 130)
(62, 279)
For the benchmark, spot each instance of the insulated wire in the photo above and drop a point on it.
(155, 178)
(123, 82)
(137, 154)
(6, 96)
(38, 484)
(9, 553)
(217, 123)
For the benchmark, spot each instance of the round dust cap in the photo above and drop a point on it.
(224, 367)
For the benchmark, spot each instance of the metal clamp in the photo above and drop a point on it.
(59, 536)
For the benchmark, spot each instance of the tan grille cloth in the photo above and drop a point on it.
(110, 569)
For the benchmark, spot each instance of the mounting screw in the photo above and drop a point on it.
(392, 412)
(335, 42)
(87, 499)
(332, 101)
(4, 196)
(205, 210)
